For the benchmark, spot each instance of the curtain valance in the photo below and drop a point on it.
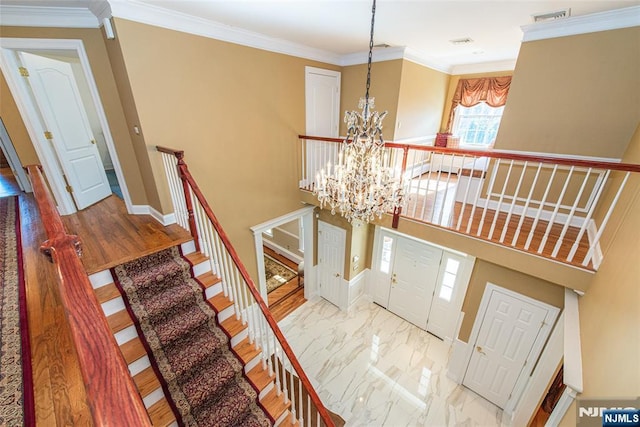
(470, 92)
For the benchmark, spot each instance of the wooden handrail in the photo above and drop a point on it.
(627, 167)
(184, 172)
(112, 395)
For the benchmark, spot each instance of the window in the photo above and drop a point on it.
(385, 256)
(477, 126)
(449, 279)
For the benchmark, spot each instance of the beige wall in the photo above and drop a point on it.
(609, 314)
(420, 102)
(575, 95)
(234, 110)
(484, 272)
(94, 45)
(451, 90)
(385, 88)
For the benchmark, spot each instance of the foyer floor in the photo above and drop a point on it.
(375, 369)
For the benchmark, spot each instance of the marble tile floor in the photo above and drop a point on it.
(375, 369)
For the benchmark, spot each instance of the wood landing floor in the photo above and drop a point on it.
(283, 300)
(109, 236)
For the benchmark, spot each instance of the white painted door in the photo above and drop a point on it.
(331, 247)
(58, 99)
(453, 278)
(413, 280)
(322, 99)
(507, 334)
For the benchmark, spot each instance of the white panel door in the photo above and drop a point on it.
(415, 273)
(58, 99)
(508, 331)
(331, 247)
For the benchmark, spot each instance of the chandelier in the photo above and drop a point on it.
(362, 184)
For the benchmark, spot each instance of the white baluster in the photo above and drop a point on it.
(489, 192)
(543, 202)
(435, 193)
(526, 205)
(513, 203)
(555, 211)
(466, 190)
(476, 199)
(500, 199)
(571, 214)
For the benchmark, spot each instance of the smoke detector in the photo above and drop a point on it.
(551, 16)
(464, 40)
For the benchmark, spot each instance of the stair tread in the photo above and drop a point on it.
(208, 279)
(133, 350)
(233, 326)
(220, 302)
(119, 321)
(286, 422)
(161, 414)
(274, 404)
(196, 258)
(107, 292)
(246, 351)
(260, 377)
(146, 381)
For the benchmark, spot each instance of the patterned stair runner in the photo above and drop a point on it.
(202, 378)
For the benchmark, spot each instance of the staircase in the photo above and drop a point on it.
(275, 403)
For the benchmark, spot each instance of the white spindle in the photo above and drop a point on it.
(513, 203)
(489, 192)
(308, 410)
(555, 211)
(526, 205)
(500, 199)
(587, 219)
(571, 214)
(221, 267)
(300, 401)
(474, 205)
(426, 193)
(540, 208)
(435, 193)
(419, 182)
(277, 366)
(587, 258)
(446, 191)
(466, 190)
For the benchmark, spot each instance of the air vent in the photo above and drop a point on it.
(550, 16)
(465, 40)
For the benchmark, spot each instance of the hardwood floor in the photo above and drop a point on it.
(8, 184)
(109, 236)
(283, 300)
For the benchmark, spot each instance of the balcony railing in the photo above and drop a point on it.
(552, 206)
(195, 215)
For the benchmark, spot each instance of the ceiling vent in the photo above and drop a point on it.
(551, 16)
(464, 40)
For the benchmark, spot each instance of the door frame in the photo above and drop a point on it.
(30, 114)
(342, 298)
(306, 216)
(536, 349)
(336, 108)
(6, 144)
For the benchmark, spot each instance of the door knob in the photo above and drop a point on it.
(93, 141)
(337, 274)
(479, 350)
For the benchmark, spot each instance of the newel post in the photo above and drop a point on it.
(397, 211)
(182, 170)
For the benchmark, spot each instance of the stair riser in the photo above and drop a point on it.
(283, 418)
(213, 290)
(153, 397)
(126, 334)
(188, 247)
(239, 337)
(201, 268)
(266, 390)
(226, 313)
(101, 278)
(113, 306)
(139, 365)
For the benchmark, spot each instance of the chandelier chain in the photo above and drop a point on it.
(369, 59)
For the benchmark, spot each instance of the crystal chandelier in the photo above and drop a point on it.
(362, 184)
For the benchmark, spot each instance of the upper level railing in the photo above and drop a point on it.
(111, 393)
(194, 214)
(553, 206)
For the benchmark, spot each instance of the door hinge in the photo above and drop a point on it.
(69, 189)
(23, 71)
(48, 135)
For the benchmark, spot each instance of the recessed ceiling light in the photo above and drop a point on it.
(550, 16)
(464, 40)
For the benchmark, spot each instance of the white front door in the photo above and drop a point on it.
(331, 247)
(58, 99)
(510, 327)
(413, 280)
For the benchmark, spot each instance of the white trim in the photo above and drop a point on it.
(29, 113)
(505, 206)
(356, 287)
(484, 67)
(165, 220)
(538, 384)
(602, 21)
(536, 349)
(563, 405)
(47, 16)
(6, 145)
(596, 254)
(572, 343)
(611, 160)
(427, 140)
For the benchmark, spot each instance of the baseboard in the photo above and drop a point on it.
(545, 215)
(165, 220)
(282, 251)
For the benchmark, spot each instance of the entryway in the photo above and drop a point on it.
(423, 283)
(507, 338)
(59, 103)
(331, 249)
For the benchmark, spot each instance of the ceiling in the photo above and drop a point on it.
(341, 27)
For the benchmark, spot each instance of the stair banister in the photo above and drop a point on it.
(279, 338)
(111, 393)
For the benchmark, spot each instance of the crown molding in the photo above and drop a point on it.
(45, 16)
(484, 67)
(153, 15)
(602, 21)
